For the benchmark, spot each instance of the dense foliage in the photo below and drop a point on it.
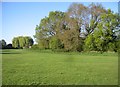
(22, 42)
(80, 28)
(2, 44)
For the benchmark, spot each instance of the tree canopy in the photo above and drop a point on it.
(80, 28)
(2, 44)
(22, 42)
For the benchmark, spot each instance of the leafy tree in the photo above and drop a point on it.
(104, 37)
(9, 46)
(104, 34)
(99, 40)
(70, 40)
(78, 12)
(2, 44)
(28, 41)
(35, 46)
(91, 26)
(109, 24)
(55, 43)
(44, 44)
(15, 42)
(86, 17)
(48, 27)
(22, 42)
(89, 43)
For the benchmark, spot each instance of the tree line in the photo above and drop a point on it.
(80, 28)
(17, 42)
(22, 42)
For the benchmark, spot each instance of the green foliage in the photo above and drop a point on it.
(99, 40)
(89, 43)
(70, 40)
(117, 46)
(22, 42)
(15, 42)
(111, 46)
(104, 37)
(28, 41)
(2, 44)
(35, 46)
(55, 43)
(89, 28)
(44, 44)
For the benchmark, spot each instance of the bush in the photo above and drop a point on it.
(111, 46)
(55, 43)
(9, 46)
(89, 43)
(44, 44)
(35, 46)
(117, 46)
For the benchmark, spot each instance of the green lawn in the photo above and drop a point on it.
(25, 67)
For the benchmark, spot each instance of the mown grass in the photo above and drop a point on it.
(35, 67)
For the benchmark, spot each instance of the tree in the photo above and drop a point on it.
(22, 42)
(99, 40)
(48, 27)
(90, 27)
(104, 37)
(44, 43)
(71, 40)
(55, 43)
(86, 17)
(78, 12)
(2, 44)
(28, 41)
(9, 46)
(15, 42)
(109, 24)
(85, 20)
(89, 43)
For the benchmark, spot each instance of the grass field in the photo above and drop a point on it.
(25, 67)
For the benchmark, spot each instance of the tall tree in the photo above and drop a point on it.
(91, 26)
(110, 23)
(49, 26)
(87, 17)
(71, 37)
(79, 12)
(105, 36)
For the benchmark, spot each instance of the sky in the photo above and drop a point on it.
(21, 18)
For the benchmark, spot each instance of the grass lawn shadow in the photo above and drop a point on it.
(9, 53)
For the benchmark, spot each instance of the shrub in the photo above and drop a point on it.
(35, 46)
